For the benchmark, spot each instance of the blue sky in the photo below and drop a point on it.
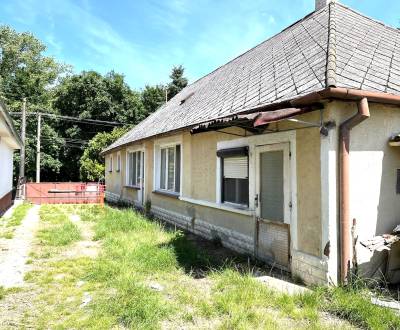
(144, 39)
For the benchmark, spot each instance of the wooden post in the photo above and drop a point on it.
(39, 124)
(23, 134)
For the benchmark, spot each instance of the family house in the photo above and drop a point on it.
(9, 142)
(285, 153)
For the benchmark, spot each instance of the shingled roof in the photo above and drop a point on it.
(332, 47)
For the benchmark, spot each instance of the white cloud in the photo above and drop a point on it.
(201, 35)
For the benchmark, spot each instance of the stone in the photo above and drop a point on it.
(156, 286)
(87, 298)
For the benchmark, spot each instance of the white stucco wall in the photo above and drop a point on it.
(373, 164)
(6, 168)
(374, 203)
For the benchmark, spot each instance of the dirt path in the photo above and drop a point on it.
(86, 247)
(14, 252)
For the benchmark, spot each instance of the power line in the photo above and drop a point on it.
(73, 119)
(69, 140)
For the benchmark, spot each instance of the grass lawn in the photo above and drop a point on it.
(146, 276)
(8, 225)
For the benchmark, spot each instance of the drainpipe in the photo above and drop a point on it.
(344, 169)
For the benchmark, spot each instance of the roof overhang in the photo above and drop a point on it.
(277, 111)
(253, 122)
(8, 133)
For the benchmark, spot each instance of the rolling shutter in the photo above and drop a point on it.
(236, 168)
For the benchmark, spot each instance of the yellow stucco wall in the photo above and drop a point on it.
(199, 182)
(308, 191)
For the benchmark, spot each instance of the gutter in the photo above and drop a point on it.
(344, 184)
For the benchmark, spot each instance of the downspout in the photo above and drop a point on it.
(344, 188)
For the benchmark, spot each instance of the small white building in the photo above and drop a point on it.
(9, 142)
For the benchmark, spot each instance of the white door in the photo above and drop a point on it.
(273, 204)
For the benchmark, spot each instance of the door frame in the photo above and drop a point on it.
(254, 142)
(287, 195)
(140, 190)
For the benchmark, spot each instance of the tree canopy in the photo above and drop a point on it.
(178, 81)
(91, 163)
(51, 87)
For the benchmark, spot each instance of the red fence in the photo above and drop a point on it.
(64, 193)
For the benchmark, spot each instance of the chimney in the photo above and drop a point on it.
(319, 4)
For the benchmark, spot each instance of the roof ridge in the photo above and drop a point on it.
(331, 51)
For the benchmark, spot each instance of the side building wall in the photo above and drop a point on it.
(6, 175)
(374, 203)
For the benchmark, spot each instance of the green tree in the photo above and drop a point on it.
(153, 97)
(26, 72)
(178, 81)
(92, 166)
(89, 95)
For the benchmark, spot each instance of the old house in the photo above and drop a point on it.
(9, 142)
(283, 153)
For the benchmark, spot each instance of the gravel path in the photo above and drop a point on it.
(14, 252)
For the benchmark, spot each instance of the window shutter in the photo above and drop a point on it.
(236, 168)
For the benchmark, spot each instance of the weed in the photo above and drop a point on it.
(59, 230)
(9, 224)
(355, 306)
(136, 252)
(6, 291)
(60, 235)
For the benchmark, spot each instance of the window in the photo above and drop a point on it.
(110, 164)
(134, 168)
(118, 162)
(170, 168)
(235, 175)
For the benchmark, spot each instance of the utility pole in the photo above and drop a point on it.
(39, 120)
(23, 133)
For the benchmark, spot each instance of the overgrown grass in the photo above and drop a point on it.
(136, 253)
(59, 230)
(355, 306)
(8, 225)
(5, 291)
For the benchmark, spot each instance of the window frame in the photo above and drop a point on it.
(157, 168)
(136, 185)
(118, 166)
(110, 164)
(231, 153)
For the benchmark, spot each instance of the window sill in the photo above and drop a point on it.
(224, 207)
(132, 187)
(166, 193)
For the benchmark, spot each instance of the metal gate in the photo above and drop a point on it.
(64, 193)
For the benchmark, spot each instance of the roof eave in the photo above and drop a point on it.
(9, 122)
(338, 93)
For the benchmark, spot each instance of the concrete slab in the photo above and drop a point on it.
(283, 286)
